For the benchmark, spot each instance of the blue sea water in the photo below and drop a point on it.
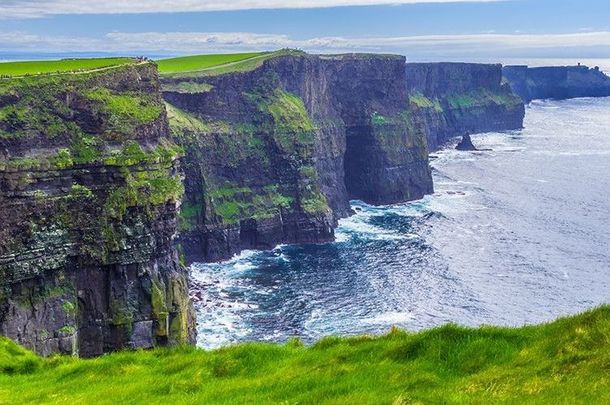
(519, 234)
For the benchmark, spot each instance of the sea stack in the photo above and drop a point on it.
(465, 144)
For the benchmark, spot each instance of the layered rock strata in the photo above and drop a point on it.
(89, 189)
(275, 153)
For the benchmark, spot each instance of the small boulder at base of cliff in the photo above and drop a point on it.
(466, 144)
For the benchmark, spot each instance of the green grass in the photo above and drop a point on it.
(421, 101)
(482, 97)
(564, 362)
(38, 105)
(212, 65)
(201, 62)
(289, 112)
(59, 66)
(232, 203)
(182, 122)
(126, 111)
(292, 124)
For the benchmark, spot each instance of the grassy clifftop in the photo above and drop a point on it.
(59, 66)
(567, 361)
(217, 64)
(202, 62)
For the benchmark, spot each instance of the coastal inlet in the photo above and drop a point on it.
(513, 235)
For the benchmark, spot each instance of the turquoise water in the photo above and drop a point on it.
(519, 234)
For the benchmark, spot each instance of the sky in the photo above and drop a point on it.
(423, 30)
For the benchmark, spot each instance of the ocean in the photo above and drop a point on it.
(515, 235)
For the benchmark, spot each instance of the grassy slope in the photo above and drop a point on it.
(201, 62)
(211, 65)
(53, 66)
(567, 361)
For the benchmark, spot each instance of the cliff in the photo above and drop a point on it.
(102, 172)
(89, 185)
(275, 152)
(557, 82)
(453, 99)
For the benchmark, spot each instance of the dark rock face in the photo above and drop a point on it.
(557, 82)
(275, 154)
(452, 99)
(465, 144)
(92, 186)
(89, 188)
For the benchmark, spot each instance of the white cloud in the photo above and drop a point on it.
(194, 41)
(437, 46)
(40, 8)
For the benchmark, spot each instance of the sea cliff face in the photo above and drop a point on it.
(274, 154)
(454, 99)
(102, 173)
(89, 185)
(557, 82)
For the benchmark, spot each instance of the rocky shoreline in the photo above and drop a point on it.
(116, 179)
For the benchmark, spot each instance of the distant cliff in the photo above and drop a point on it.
(453, 99)
(89, 185)
(557, 82)
(275, 153)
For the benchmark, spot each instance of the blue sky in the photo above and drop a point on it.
(420, 29)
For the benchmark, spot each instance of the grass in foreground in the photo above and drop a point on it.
(567, 361)
(59, 66)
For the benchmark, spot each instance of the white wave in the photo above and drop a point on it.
(371, 232)
(358, 225)
(591, 152)
(388, 318)
(219, 328)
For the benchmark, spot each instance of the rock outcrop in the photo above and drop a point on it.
(275, 153)
(89, 189)
(452, 99)
(557, 82)
(466, 144)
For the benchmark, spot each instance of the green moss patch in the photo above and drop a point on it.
(183, 123)
(232, 203)
(421, 101)
(144, 189)
(288, 111)
(126, 111)
(483, 97)
(189, 215)
(292, 126)
(74, 105)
